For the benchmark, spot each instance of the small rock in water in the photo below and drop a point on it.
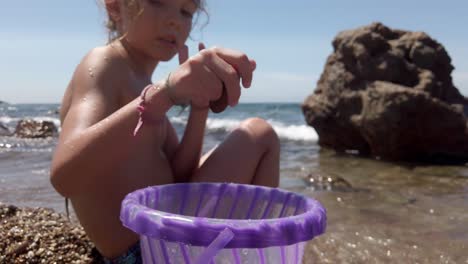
(29, 128)
(318, 182)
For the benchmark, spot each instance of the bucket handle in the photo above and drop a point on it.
(216, 245)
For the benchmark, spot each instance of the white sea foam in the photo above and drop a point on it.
(182, 120)
(294, 132)
(284, 131)
(7, 120)
(225, 124)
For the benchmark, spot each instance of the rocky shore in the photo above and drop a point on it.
(38, 235)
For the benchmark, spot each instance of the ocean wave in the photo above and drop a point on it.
(220, 124)
(285, 131)
(294, 132)
(7, 120)
(181, 120)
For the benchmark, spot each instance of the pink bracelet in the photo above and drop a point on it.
(141, 109)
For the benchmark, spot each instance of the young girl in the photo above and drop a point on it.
(116, 137)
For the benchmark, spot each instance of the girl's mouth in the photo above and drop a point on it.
(168, 41)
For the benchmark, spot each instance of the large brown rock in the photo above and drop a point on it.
(28, 128)
(389, 93)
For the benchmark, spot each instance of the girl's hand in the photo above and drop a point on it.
(183, 57)
(201, 78)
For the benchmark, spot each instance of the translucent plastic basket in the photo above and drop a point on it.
(221, 223)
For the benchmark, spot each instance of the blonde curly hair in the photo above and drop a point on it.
(134, 9)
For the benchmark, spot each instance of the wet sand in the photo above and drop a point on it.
(395, 213)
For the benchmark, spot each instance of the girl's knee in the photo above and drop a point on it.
(261, 131)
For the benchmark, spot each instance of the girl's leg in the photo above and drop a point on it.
(250, 154)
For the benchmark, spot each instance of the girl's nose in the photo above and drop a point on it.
(174, 20)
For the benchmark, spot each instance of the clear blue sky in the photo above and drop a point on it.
(41, 42)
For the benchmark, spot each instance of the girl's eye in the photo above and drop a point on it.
(187, 13)
(156, 2)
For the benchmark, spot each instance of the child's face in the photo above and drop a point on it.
(162, 27)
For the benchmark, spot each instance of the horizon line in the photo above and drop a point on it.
(250, 102)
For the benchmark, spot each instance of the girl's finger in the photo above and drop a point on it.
(201, 46)
(228, 76)
(240, 62)
(253, 64)
(208, 79)
(183, 54)
(219, 105)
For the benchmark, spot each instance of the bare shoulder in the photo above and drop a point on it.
(95, 89)
(101, 69)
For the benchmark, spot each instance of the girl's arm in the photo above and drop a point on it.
(203, 80)
(96, 135)
(187, 155)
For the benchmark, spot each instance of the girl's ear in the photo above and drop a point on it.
(113, 9)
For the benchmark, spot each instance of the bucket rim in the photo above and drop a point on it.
(200, 231)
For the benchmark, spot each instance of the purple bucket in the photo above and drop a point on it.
(221, 223)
